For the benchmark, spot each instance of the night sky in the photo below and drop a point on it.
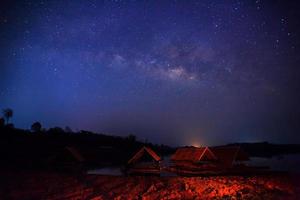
(173, 72)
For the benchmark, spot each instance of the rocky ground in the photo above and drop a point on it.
(41, 185)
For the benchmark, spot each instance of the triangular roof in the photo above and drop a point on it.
(75, 153)
(193, 154)
(228, 154)
(141, 152)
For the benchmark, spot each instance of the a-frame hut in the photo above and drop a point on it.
(230, 156)
(68, 158)
(145, 161)
(193, 158)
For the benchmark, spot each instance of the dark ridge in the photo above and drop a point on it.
(265, 149)
(25, 149)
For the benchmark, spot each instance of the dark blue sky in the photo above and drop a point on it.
(173, 72)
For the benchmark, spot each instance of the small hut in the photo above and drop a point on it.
(193, 159)
(145, 161)
(68, 158)
(230, 156)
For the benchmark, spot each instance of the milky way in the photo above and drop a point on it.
(176, 72)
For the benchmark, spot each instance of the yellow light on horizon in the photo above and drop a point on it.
(194, 140)
(196, 144)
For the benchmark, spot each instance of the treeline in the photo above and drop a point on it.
(33, 148)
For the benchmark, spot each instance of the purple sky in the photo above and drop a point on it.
(203, 72)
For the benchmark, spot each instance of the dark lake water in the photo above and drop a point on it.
(289, 163)
(115, 171)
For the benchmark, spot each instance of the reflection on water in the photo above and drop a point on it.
(289, 162)
(114, 171)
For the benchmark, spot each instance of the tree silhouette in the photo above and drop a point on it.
(36, 127)
(68, 129)
(2, 122)
(131, 138)
(56, 131)
(8, 113)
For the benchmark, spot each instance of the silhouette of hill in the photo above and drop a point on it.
(265, 149)
(25, 149)
(22, 149)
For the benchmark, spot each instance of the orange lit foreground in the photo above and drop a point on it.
(56, 186)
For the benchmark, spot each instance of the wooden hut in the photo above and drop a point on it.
(230, 156)
(193, 159)
(68, 158)
(145, 161)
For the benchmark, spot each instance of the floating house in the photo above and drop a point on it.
(208, 160)
(230, 156)
(145, 161)
(194, 158)
(68, 158)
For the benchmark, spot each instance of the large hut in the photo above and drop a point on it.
(230, 156)
(145, 161)
(68, 158)
(205, 160)
(193, 159)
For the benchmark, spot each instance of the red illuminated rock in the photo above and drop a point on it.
(59, 186)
